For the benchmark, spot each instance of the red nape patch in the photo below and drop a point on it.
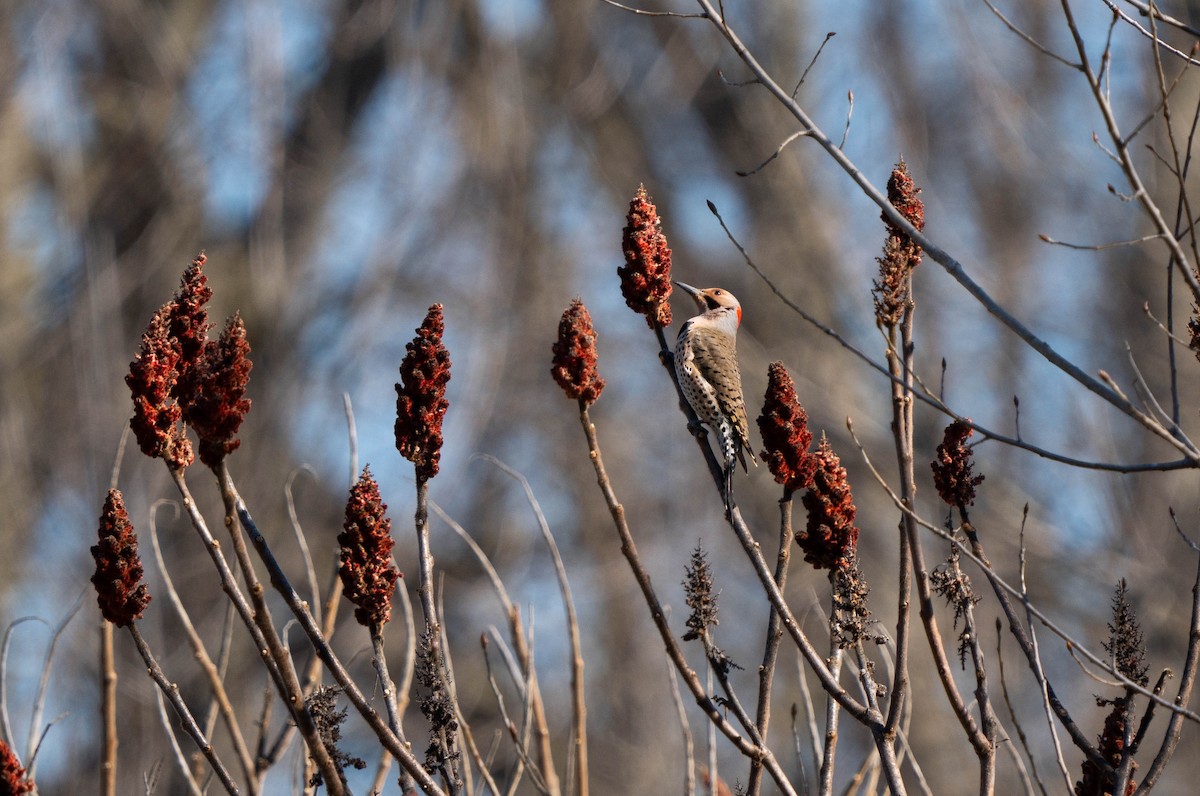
(739, 312)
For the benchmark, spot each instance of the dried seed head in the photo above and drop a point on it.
(219, 406)
(830, 539)
(13, 779)
(152, 376)
(952, 477)
(851, 617)
(421, 396)
(646, 275)
(699, 595)
(1125, 642)
(118, 580)
(893, 290)
(189, 327)
(574, 366)
(784, 428)
(365, 567)
(437, 705)
(322, 706)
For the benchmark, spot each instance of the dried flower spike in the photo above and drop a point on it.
(421, 396)
(189, 327)
(322, 704)
(574, 366)
(952, 476)
(118, 580)
(784, 428)
(699, 595)
(151, 379)
(437, 705)
(830, 539)
(219, 406)
(893, 290)
(13, 779)
(365, 567)
(646, 275)
(1126, 643)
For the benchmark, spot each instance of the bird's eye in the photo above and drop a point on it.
(718, 292)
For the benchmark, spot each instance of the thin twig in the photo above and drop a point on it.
(772, 156)
(578, 702)
(6, 730)
(188, 722)
(516, 631)
(425, 593)
(807, 69)
(200, 653)
(301, 541)
(108, 710)
(642, 13)
(39, 701)
(657, 614)
(829, 747)
(320, 645)
(849, 115)
(1032, 42)
(379, 662)
(1029, 644)
(192, 785)
(463, 729)
(766, 670)
(689, 743)
(1099, 247)
(258, 621)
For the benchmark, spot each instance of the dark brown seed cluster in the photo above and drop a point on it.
(574, 365)
(830, 538)
(700, 595)
(437, 706)
(851, 618)
(365, 561)
(118, 579)
(421, 396)
(893, 290)
(784, 428)
(646, 275)
(322, 705)
(1126, 644)
(952, 476)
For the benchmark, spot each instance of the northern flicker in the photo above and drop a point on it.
(707, 368)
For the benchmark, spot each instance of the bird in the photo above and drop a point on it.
(707, 368)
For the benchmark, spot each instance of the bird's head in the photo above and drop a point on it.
(712, 300)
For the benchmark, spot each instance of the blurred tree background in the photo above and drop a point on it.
(346, 163)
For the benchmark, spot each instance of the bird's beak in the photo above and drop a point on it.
(694, 293)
